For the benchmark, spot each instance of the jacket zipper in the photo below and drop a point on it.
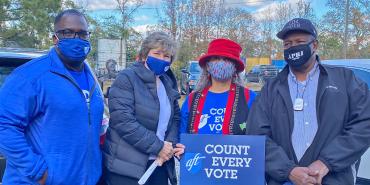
(79, 89)
(88, 112)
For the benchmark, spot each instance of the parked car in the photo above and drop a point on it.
(361, 68)
(261, 73)
(190, 77)
(9, 60)
(279, 64)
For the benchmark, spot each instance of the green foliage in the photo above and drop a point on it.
(29, 23)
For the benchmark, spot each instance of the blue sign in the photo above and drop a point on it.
(222, 160)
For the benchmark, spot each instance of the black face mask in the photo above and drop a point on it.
(297, 56)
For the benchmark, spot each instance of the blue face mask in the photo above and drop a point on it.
(75, 50)
(158, 66)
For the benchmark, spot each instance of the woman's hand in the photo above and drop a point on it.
(179, 150)
(165, 154)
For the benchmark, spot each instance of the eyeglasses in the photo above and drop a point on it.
(69, 34)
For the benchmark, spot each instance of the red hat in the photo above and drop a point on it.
(223, 48)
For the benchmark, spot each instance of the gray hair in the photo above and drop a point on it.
(158, 40)
(205, 80)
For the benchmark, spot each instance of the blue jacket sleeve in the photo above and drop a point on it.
(18, 105)
(184, 116)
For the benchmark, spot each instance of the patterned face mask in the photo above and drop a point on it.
(221, 70)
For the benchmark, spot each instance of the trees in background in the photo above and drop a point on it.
(333, 29)
(26, 23)
(194, 23)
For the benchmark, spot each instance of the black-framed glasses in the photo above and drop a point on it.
(70, 34)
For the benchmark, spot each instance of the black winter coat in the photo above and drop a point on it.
(343, 135)
(134, 114)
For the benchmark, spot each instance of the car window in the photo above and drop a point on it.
(194, 68)
(4, 72)
(363, 75)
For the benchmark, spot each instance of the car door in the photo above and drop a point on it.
(363, 175)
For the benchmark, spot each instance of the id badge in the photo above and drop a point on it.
(298, 104)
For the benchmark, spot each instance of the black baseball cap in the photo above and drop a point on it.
(297, 24)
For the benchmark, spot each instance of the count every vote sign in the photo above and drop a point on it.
(222, 160)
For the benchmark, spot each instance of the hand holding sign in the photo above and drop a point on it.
(165, 154)
(179, 150)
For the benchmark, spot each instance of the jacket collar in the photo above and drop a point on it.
(148, 77)
(323, 83)
(58, 67)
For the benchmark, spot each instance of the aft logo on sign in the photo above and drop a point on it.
(193, 162)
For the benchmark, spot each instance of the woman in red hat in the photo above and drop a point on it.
(220, 103)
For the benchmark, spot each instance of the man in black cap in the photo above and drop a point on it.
(316, 118)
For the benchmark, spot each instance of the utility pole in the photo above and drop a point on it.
(345, 44)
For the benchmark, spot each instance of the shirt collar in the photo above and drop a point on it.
(311, 73)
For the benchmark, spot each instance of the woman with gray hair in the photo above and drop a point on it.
(145, 117)
(219, 104)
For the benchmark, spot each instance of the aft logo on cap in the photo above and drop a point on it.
(295, 56)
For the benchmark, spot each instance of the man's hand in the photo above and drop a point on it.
(165, 154)
(303, 176)
(321, 169)
(179, 150)
(42, 181)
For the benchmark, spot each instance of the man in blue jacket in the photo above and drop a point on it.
(51, 111)
(316, 118)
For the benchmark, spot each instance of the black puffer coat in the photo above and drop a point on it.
(134, 114)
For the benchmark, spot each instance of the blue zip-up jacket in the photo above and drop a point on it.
(47, 124)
